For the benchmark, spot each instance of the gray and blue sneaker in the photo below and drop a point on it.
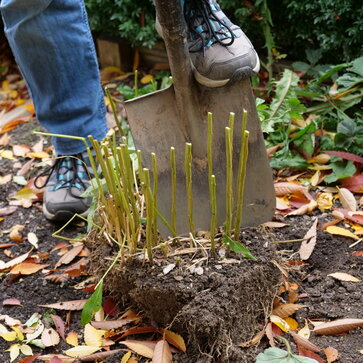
(66, 180)
(220, 52)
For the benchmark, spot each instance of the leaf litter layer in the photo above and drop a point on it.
(214, 303)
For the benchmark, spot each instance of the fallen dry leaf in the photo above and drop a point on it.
(307, 246)
(5, 211)
(338, 326)
(270, 334)
(63, 358)
(281, 323)
(21, 150)
(175, 339)
(59, 325)
(112, 324)
(96, 357)
(342, 276)
(308, 353)
(347, 199)
(285, 188)
(254, 341)
(13, 262)
(70, 255)
(285, 310)
(144, 348)
(274, 224)
(305, 331)
(306, 208)
(325, 201)
(126, 357)
(5, 179)
(305, 343)
(27, 268)
(33, 239)
(80, 351)
(162, 353)
(15, 233)
(66, 305)
(72, 338)
(50, 337)
(341, 232)
(331, 354)
(58, 278)
(93, 337)
(11, 301)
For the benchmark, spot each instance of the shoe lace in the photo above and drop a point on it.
(68, 174)
(205, 26)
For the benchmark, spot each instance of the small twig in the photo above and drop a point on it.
(291, 240)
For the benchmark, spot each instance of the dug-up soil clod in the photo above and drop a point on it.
(214, 311)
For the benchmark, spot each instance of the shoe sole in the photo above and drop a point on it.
(238, 75)
(61, 215)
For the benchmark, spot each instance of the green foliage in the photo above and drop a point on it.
(282, 356)
(238, 247)
(127, 19)
(332, 26)
(92, 305)
(335, 94)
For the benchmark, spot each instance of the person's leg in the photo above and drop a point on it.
(53, 47)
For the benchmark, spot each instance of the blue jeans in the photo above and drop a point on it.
(53, 46)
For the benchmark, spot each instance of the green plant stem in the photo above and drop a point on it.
(229, 180)
(242, 168)
(136, 83)
(210, 146)
(113, 107)
(139, 165)
(173, 189)
(189, 187)
(213, 202)
(149, 214)
(155, 191)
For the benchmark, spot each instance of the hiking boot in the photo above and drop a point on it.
(66, 181)
(220, 52)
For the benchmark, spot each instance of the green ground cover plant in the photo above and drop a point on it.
(318, 111)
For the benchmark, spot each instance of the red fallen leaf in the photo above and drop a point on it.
(308, 353)
(354, 183)
(56, 360)
(298, 202)
(356, 218)
(346, 156)
(59, 325)
(357, 253)
(110, 306)
(29, 359)
(59, 246)
(11, 301)
(276, 330)
(297, 263)
(77, 268)
(137, 330)
(90, 288)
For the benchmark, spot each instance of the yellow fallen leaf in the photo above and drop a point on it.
(325, 201)
(39, 155)
(10, 336)
(92, 336)
(342, 276)
(80, 351)
(18, 332)
(126, 357)
(341, 232)
(30, 108)
(5, 85)
(281, 323)
(7, 154)
(14, 351)
(72, 338)
(315, 178)
(26, 349)
(147, 79)
(293, 324)
(319, 159)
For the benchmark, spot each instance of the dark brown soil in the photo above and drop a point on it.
(209, 307)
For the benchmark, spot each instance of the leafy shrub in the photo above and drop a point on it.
(127, 19)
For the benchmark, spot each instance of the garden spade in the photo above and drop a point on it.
(178, 115)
